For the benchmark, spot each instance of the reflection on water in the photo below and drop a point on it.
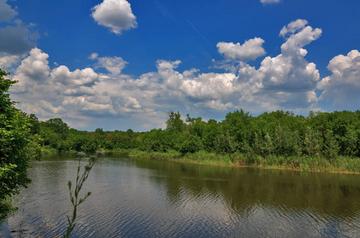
(135, 198)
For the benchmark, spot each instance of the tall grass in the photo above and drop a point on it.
(300, 163)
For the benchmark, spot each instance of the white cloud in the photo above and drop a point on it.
(8, 61)
(115, 15)
(76, 95)
(270, 1)
(292, 27)
(288, 80)
(78, 77)
(290, 70)
(113, 65)
(35, 67)
(284, 81)
(7, 13)
(250, 50)
(83, 94)
(340, 90)
(93, 56)
(300, 38)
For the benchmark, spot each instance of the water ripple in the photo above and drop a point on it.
(135, 199)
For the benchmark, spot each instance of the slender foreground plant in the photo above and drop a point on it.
(75, 198)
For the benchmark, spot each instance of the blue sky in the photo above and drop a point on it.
(187, 30)
(139, 89)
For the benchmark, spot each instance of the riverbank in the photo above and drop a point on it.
(344, 165)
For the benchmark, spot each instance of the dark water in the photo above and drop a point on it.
(163, 199)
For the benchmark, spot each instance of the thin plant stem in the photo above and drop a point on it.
(74, 194)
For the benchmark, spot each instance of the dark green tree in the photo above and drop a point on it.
(15, 136)
(175, 123)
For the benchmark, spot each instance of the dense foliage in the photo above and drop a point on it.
(18, 143)
(279, 133)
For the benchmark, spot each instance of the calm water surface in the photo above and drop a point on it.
(133, 198)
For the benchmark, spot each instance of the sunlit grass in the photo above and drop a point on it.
(310, 164)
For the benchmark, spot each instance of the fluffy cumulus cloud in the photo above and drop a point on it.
(35, 67)
(286, 81)
(115, 15)
(8, 61)
(113, 64)
(104, 92)
(270, 1)
(289, 71)
(250, 50)
(77, 95)
(292, 27)
(340, 90)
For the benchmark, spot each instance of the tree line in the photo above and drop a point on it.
(278, 133)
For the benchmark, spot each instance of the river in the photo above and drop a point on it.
(143, 198)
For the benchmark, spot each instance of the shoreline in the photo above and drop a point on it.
(339, 165)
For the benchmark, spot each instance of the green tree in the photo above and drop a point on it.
(175, 123)
(330, 148)
(191, 145)
(237, 127)
(15, 135)
(312, 142)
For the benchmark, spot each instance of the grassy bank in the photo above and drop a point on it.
(298, 163)
(309, 164)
